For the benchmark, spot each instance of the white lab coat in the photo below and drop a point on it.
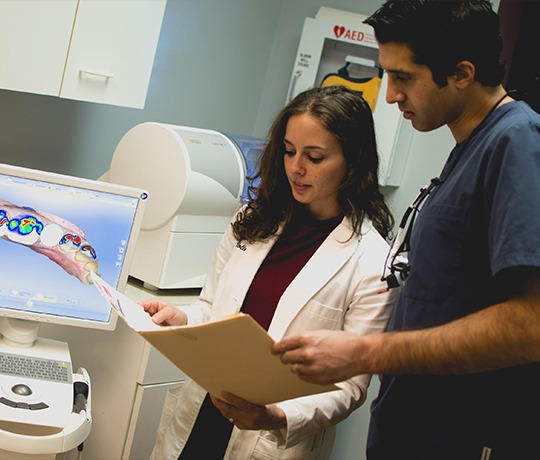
(339, 288)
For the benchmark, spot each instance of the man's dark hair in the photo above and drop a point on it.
(441, 33)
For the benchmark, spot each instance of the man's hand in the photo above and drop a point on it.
(323, 356)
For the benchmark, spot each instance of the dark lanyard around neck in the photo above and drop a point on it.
(402, 242)
(453, 160)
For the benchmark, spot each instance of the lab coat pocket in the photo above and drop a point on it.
(324, 316)
(308, 449)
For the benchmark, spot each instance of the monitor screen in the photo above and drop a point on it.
(54, 231)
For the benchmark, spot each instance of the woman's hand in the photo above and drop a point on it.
(164, 313)
(247, 416)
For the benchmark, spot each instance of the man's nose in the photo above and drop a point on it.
(393, 94)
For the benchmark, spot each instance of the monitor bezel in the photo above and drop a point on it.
(92, 185)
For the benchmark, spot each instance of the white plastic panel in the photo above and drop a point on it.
(152, 154)
(187, 171)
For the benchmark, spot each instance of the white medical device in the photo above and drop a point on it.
(55, 230)
(22, 441)
(196, 179)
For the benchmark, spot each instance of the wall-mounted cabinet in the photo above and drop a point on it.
(98, 51)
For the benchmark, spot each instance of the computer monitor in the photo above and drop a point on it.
(54, 230)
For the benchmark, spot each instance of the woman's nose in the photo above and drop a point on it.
(296, 164)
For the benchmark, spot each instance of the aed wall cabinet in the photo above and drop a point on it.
(97, 51)
(326, 47)
(337, 48)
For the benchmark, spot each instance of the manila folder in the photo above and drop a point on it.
(232, 354)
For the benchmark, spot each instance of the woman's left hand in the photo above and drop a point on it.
(248, 416)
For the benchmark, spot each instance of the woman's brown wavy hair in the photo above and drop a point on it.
(345, 114)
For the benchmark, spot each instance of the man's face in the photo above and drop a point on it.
(411, 86)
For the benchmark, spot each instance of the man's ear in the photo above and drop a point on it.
(464, 75)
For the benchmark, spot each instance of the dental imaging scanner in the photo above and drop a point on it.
(196, 179)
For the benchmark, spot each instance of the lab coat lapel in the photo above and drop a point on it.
(248, 265)
(335, 250)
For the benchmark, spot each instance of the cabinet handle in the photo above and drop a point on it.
(106, 76)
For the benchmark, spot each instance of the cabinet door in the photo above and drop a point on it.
(112, 51)
(145, 419)
(34, 41)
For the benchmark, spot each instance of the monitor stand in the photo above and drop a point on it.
(19, 333)
(20, 336)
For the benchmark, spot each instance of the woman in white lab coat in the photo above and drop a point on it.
(306, 252)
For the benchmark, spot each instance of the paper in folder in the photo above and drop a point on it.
(229, 354)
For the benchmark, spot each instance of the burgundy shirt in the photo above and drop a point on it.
(289, 254)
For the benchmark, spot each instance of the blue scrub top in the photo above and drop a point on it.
(482, 220)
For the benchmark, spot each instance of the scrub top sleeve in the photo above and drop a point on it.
(513, 184)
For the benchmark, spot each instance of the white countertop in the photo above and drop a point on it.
(136, 291)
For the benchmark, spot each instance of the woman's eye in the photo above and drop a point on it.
(289, 152)
(316, 159)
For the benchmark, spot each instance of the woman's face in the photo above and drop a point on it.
(314, 164)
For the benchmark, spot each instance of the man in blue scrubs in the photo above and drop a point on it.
(460, 360)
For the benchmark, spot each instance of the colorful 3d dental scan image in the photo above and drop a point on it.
(58, 239)
(52, 237)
